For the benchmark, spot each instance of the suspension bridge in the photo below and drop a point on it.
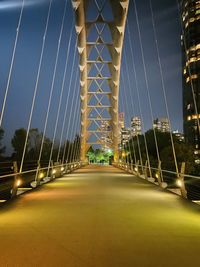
(78, 187)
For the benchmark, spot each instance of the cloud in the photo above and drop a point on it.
(13, 4)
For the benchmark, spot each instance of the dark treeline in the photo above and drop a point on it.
(184, 152)
(69, 151)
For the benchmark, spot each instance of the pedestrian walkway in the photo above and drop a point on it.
(99, 216)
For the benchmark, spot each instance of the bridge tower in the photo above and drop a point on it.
(100, 26)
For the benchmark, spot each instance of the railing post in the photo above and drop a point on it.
(159, 174)
(182, 181)
(131, 169)
(142, 167)
(15, 186)
(145, 169)
(137, 167)
(37, 174)
(51, 168)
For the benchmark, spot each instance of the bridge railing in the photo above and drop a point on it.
(13, 182)
(188, 186)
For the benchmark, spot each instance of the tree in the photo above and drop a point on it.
(99, 155)
(2, 148)
(184, 152)
(18, 142)
(91, 154)
(34, 144)
(77, 147)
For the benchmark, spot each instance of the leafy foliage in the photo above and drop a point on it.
(70, 151)
(2, 148)
(98, 155)
(184, 153)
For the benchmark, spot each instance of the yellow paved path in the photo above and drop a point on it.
(99, 217)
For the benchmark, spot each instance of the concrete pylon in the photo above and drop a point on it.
(100, 27)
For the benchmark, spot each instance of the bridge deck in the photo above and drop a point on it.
(99, 217)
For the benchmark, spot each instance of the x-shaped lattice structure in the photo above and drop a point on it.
(100, 26)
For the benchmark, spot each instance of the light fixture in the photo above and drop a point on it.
(18, 182)
(179, 183)
(41, 175)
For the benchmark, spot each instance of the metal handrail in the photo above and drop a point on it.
(35, 170)
(156, 169)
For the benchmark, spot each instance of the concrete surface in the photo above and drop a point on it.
(99, 217)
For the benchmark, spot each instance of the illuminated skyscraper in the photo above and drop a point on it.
(162, 125)
(191, 71)
(136, 126)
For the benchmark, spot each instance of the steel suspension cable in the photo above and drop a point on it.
(67, 101)
(36, 83)
(75, 117)
(131, 98)
(64, 79)
(146, 80)
(125, 107)
(77, 124)
(70, 117)
(163, 85)
(72, 104)
(138, 96)
(62, 88)
(53, 82)
(12, 63)
(78, 143)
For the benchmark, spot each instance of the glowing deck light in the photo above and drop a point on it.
(62, 169)
(179, 183)
(54, 171)
(136, 169)
(18, 182)
(41, 175)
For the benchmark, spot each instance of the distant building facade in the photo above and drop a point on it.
(125, 136)
(121, 125)
(179, 136)
(136, 126)
(162, 125)
(106, 140)
(191, 71)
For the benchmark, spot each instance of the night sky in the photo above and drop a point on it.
(28, 54)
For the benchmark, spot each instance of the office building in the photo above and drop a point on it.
(190, 40)
(161, 124)
(136, 126)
